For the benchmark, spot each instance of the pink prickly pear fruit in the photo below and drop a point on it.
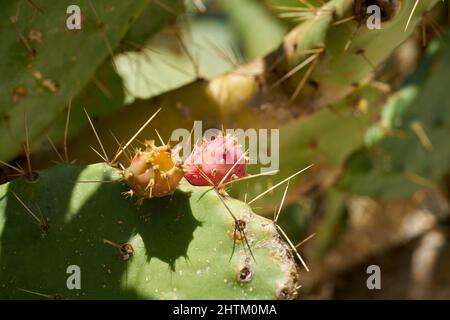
(153, 172)
(214, 159)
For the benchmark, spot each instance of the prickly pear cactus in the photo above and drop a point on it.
(181, 246)
(320, 62)
(408, 149)
(329, 57)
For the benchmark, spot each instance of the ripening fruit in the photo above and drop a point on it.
(214, 159)
(153, 172)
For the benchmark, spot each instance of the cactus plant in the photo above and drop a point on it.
(179, 246)
(259, 35)
(182, 235)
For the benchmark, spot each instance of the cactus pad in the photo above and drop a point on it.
(153, 172)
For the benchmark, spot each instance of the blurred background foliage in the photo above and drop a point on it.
(380, 192)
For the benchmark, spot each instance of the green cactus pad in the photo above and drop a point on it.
(106, 93)
(182, 243)
(412, 152)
